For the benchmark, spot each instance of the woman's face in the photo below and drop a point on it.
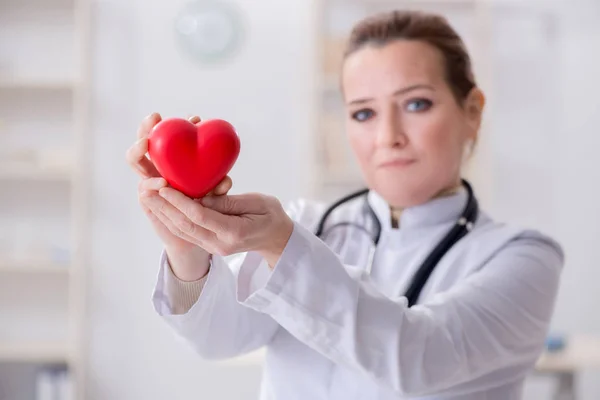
(406, 128)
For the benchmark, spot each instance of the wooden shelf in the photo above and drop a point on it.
(51, 98)
(33, 173)
(34, 352)
(331, 84)
(36, 84)
(33, 267)
(580, 352)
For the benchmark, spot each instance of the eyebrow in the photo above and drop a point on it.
(397, 92)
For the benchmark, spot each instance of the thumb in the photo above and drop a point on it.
(236, 204)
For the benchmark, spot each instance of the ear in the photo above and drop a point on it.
(473, 107)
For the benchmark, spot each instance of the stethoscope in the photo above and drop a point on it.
(463, 225)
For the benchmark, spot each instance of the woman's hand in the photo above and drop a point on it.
(227, 225)
(187, 259)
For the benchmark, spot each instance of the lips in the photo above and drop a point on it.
(397, 162)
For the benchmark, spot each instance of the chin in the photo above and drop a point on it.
(403, 190)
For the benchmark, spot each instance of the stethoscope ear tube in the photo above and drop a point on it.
(345, 199)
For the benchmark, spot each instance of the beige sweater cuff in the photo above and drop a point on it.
(182, 295)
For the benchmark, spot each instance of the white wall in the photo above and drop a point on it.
(552, 167)
(137, 71)
(553, 162)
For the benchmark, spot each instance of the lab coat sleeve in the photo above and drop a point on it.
(496, 321)
(215, 324)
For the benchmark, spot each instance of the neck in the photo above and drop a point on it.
(396, 212)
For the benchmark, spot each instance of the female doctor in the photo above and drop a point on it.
(407, 290)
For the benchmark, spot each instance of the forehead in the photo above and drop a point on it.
(377, 70)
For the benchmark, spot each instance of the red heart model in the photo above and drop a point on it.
(193, 158)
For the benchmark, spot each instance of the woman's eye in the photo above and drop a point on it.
(419, 105)
(362, 115)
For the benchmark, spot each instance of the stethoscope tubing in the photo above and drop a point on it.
(463, 226)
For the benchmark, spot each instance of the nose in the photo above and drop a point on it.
(390, 132)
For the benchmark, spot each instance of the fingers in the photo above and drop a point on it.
(147, 125)
(152, 204)
(177, 222)
(137, 160)
(195, 212)
(173, 229)
(152, 184)
(194, 119)
(223, 187)
(160, 223)
(250, 203)
(136, 154)
(164, 226)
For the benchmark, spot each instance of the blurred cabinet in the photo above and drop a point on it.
(44, 96)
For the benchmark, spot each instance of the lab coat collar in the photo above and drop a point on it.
(436, 211)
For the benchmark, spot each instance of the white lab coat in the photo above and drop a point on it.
(334, 332)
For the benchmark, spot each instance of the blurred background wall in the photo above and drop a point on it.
(265, 92)
(540, 163)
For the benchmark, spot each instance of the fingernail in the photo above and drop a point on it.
(207, 201)
(163, 193)
(154, 115)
